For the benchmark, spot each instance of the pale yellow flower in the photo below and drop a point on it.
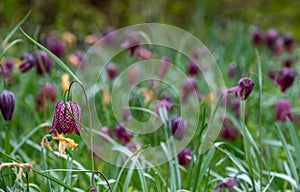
(64, 143)
(106, 96)
(65, 82)
(21, 167)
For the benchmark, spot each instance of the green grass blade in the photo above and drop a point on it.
(14, 30)
(289, 155)
(9, 46)
(295, 140)
(54, 57)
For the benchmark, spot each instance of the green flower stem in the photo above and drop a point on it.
(246, 142)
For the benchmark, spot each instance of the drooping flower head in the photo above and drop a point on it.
(56, 46)
(185, 156)
(164, 66)
(6, 68)
(179, 127)
(193, 68)
(29, 61)
(190, 86)
(44, 62)
(131, 41)
(286, 78)
(271, 36)
(111, 71)
(47, 93)
(257, 37)
(288, 40)
(7, 104)
(123, 134)
(243, 89)
(63, 122)
(228, 183)
(283, 109)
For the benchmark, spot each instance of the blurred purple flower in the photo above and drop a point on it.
(257, 37)
(144, 53)
(286, 78)
(126, 115)
(190, 86)
(29, 61)
(288, 62)
(122, 134)
(48, 92)
(179, 127)
(243, 89)
(63, 122)
(185, 156)
(133, 146)
(271, 36)
(7, 104)
(283, 109)
(163, 67)
(163, 103)
(6, 69)
(193, 68)
(131, 41)
(44, 62)
(278, 46)
(228, 131)
(232, 70)
(228, 183)
(288, 40)
(272, 74)
(112, 71)
(56, 46)
(166, 96)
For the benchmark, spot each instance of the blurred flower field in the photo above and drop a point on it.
(237, 130)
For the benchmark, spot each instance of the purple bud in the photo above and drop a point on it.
(228, 132)
(179, 127)
(29, 62)
(106, 131)
(63, 122)
(112, 71)
(44, 62)
(232, 70)
(288, 40)
(271, 37)
(193, 68)
(257, 37)
(283, 109)
(122, 134)
(244, 88)
(163, 67)
(56, 46)
(286, 78)
(7, 104)
(185, 156)
(272, 74)
(228, 183)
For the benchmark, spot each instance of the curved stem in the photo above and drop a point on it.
(245, 173)
(99, 172)
(90, 123)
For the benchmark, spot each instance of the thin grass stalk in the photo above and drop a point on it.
(46, 167)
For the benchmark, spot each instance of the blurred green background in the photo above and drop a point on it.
(88, 16)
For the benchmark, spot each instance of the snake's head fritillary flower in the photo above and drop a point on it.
(111, 71)
(56, 46)
(190, 86)
(7, 68)
(232, 70)
(193, 68)
(179, 127)
(278, 46)
(185, 156)
(131, 42)
(163, 104)
(243, 89)
(288, 40)
(63, 122)
(228, 183)
(283, 109)
(29, 61)
(271, 36)
(7, 104)
(47, 93)
(257, 37)
(286, 78)
(44, 62)
(164, 66)
(123, 134)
